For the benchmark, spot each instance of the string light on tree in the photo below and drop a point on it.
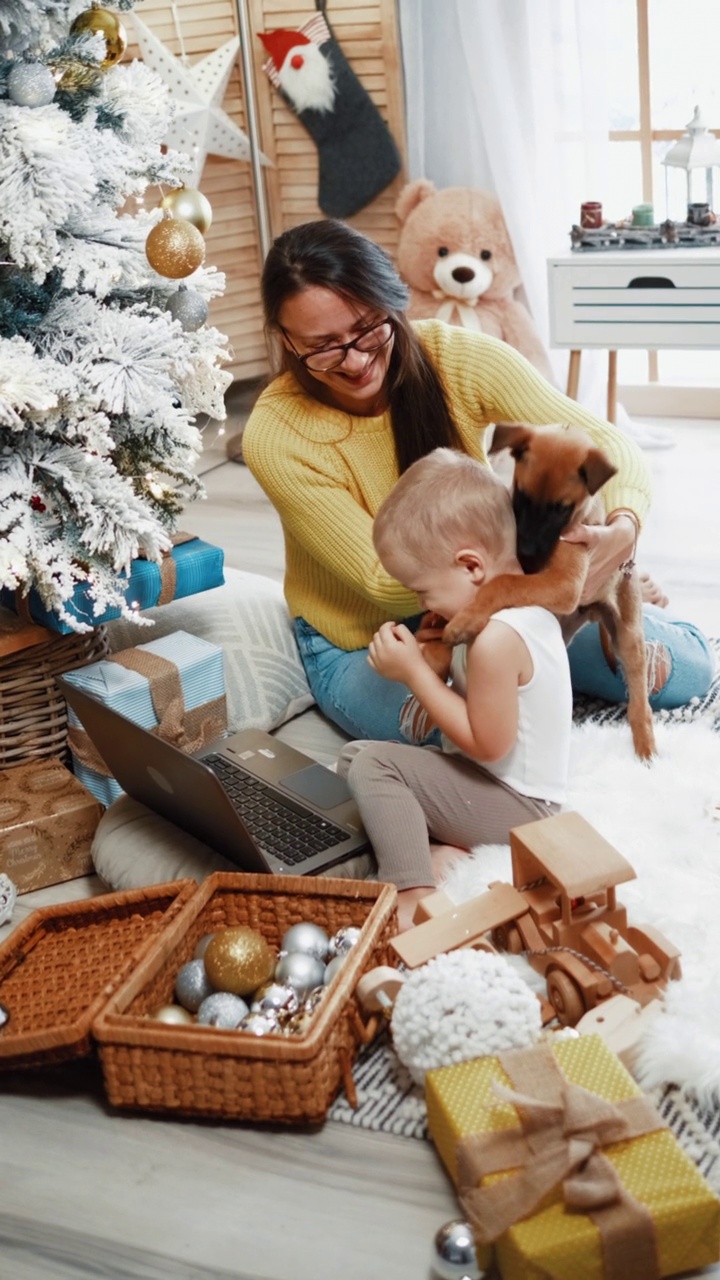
(107, 24)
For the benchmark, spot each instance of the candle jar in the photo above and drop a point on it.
(643, 215)
(591, 214)
(698, 214)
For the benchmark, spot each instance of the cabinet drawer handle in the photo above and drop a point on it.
(651, 282)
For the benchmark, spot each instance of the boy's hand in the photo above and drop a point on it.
(395, 653)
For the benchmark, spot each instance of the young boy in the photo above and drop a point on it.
(446, 527)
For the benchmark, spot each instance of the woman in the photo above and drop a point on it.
(364, 393)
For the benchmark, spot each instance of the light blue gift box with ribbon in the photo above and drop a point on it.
(191, 567)
(174, 685)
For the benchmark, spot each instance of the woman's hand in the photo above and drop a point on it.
(610, 546)
(395, 653)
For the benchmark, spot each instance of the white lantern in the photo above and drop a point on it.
(697, 150)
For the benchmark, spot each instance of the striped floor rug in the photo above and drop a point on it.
(389, 1102)
(706, 708)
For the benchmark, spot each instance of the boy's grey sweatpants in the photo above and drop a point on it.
(408, 795)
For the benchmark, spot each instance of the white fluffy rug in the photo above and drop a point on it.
(665, 819)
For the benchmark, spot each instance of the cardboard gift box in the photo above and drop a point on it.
(607, 1207)
(47, 823)
(190, 567)
(174, 685)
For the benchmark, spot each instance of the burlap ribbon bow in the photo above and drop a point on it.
(563, 1128)
(188, 730)
(168, 567)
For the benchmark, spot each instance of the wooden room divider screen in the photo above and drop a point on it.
(368, 33)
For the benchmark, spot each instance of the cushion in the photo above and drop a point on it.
(134, 847)
(265, 679)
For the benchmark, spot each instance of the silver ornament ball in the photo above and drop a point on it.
(331, 969)
(222, 1010)
(31, 84)
(192, 985)
(189, 307)
(308, 938)
(276, 998)
(202, 946)
(454, 1257)
(301, 971)
(344, 940)
(260, 1024)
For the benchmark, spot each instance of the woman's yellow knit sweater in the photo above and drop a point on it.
(327, 472)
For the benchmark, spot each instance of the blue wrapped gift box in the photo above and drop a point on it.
(192, 566)
(130, 681)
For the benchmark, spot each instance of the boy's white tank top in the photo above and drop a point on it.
(537, 763)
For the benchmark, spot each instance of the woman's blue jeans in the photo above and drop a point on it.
(366, 705)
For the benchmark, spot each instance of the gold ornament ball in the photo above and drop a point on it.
(191, 204)
(175, 248)
(239, 960)
(172, 1014)
(109, 26)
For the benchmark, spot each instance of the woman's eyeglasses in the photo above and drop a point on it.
(332, 357)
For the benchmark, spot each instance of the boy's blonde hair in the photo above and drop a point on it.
(443, 502)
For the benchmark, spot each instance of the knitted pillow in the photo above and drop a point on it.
(265, 680)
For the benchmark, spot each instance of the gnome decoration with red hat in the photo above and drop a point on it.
(357, 154)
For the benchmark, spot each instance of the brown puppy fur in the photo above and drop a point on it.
(556, 480)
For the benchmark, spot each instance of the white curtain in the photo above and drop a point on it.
(511, 96)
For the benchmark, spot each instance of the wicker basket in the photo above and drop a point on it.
(58, 968)
(33, 713)
(198, 1071)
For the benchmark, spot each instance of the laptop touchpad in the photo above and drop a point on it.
(318, 785)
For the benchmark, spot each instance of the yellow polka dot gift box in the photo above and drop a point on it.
(565, 1170)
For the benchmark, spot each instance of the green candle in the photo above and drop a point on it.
(643, 215)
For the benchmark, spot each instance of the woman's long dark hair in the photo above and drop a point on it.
(334, 256)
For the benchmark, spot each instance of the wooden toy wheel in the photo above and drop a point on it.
(565, 997)
(506, 937)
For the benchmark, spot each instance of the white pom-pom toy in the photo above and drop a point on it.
(462, 1005)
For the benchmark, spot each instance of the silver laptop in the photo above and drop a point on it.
(258, 801)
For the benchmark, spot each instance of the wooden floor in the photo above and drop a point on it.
(84, 1192)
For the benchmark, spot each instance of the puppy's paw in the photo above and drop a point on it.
(465, 626)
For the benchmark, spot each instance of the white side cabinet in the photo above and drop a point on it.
(647, 298)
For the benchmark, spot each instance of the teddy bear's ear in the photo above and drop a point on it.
(411, 196)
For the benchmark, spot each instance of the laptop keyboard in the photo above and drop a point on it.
(290, 834)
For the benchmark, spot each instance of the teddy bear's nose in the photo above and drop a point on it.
(463, 275)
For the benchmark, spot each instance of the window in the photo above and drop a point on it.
(664, 59)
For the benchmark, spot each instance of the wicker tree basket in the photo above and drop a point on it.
(33, 713)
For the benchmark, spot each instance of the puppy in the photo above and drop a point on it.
(556, 479)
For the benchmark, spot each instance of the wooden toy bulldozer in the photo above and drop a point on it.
(561, 912)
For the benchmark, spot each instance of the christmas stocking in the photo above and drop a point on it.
(357, 154)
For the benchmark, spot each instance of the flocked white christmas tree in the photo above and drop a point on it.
(100, 384)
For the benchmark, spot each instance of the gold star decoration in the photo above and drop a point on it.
(200, 127)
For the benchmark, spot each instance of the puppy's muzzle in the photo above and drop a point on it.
(539, 527)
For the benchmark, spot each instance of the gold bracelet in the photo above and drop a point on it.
(627, 566)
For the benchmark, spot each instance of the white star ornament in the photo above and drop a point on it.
(200, 127)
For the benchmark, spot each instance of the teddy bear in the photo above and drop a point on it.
(456, 257)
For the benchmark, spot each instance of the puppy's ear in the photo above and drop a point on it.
(596, 470)
(510, 435)
(521, 442)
